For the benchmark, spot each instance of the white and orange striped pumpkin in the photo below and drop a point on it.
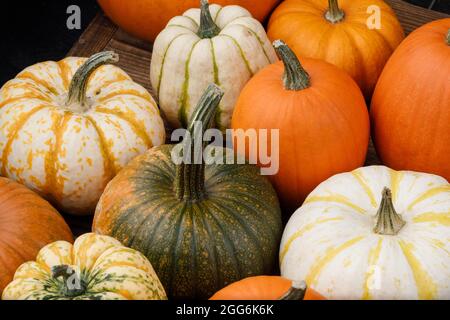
(374, 233)
(95, 267)
(67, 128)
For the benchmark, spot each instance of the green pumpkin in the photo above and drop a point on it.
(201, 226)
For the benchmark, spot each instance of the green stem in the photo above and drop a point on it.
(190, 177)
(72, 286)
(78, 85)
(448, 37)
(297, 292)
(334, 13)
(295, 77)
(389, 222)
(208, 29)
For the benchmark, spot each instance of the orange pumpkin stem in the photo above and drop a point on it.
(389, 222)
(71, 286)
(76, 99)
(334, 13)
(190, 178)
(208, 29)
(297, 292)
(295, 77)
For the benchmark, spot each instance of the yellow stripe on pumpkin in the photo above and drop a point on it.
(374, 256)
(362, 181)
(301, 232)
(442, 218)
(396, 178)
(323, 261)
(426, 288)
(428, 194)
(335, 198)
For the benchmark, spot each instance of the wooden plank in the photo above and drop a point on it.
(135, 56)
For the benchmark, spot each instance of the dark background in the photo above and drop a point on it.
(35, 31)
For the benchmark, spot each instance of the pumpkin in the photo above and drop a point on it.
(201, 226)
(267, 288)
(321, 116)
(27, 223)
(67, 127)
(95, 267)
(146, 18)
(410, 108)
(374, 233)
(342, 32)
(196, 49)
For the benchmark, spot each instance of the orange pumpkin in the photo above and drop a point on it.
(411, 104)
(338, 32)
(147, 18)
(27, 224)
(267, 288)
(321, 116)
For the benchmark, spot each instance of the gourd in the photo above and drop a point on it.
(267, 288)
(201, 226)
(374, 233)
(410, 108)
(67, 128)
(321, 117)
(27, 223)
(221, 45)
(146, 18)
(95, 267)
(358, 36)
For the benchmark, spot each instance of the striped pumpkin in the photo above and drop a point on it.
(94, 268)
(201, 227)
(222, 45)
(374, 233)
(67, 128)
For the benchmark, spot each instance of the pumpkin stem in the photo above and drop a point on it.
(208, 29)
(448, 37)
(389, 222)
(190, 177)
(295, 77)
(78, 85)
(72, 285)
(334, 13)
(297, 292)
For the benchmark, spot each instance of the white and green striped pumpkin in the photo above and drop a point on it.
(221, 45)
(374, 233)
(67, 128)
(94, 268)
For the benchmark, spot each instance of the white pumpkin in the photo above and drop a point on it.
(221, 45)
(95, 267)
(350, 242)
(67, 138)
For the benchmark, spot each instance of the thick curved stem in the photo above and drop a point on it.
(389, 222)
(208, 28)
(78, 85)
(296, 292)
(295, 77)
(190, 176)
(334, 13)
(448, 37)
(72, 286)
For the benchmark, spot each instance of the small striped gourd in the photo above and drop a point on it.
(221, 45)
(201, 226)
(374, 233)
(95, 267)
(67, 128)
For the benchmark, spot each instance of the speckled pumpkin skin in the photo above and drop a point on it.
(198, 247)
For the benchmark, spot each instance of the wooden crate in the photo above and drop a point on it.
(135, 56)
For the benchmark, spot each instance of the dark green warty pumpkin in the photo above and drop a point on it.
(201, 226)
